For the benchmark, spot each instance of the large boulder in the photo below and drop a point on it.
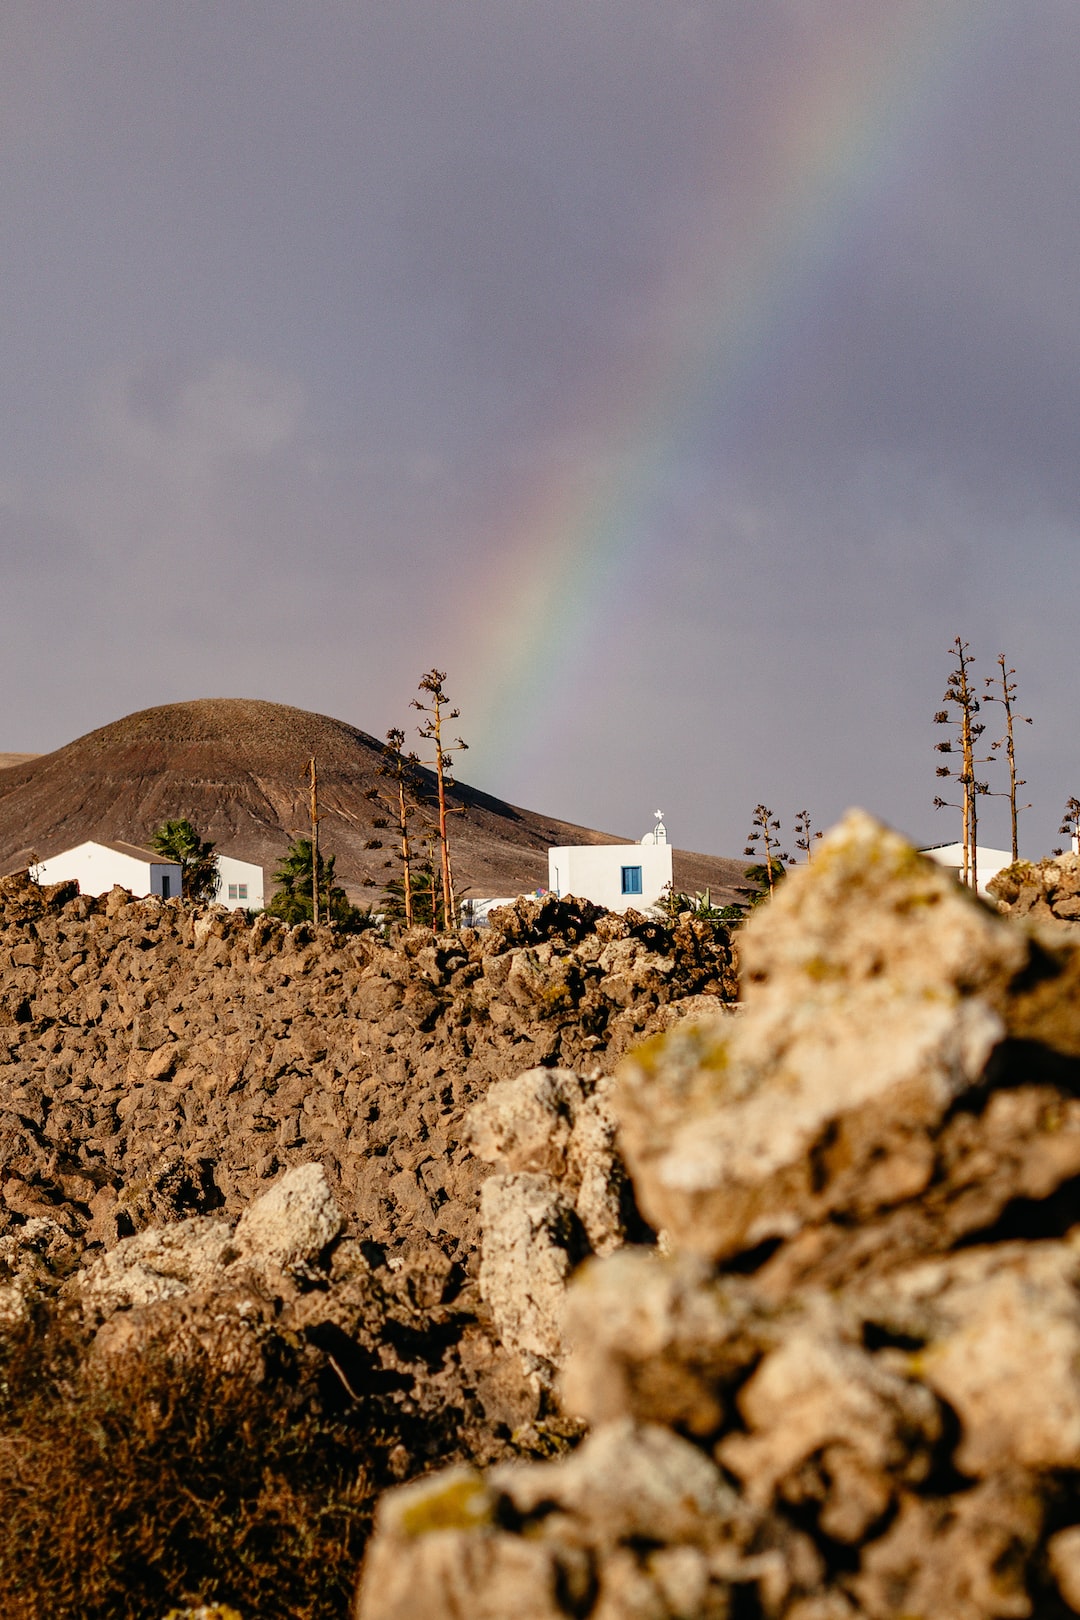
(876, 990)
(844, 1384)
(560, 1193)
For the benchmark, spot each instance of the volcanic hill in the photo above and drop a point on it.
(236, 769)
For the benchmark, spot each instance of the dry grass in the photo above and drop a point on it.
(132, 1483)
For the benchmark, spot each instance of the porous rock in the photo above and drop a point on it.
(876, 990)
(293, 1223)
(159, 1062)
(560, 1196)
(440, 1548)
(286, 1230)
(158, 1264)
(530, 1244)
(865, 1312)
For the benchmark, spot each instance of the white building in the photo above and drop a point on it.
(988, 862)
(619, 877)
(98, 866)
(240, 884)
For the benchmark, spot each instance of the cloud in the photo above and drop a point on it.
(181, 425)
(167, 457)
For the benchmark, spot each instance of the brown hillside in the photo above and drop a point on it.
(235, 768)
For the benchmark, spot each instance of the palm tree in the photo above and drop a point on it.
(425, 901)
(178, 841)
(293, 902)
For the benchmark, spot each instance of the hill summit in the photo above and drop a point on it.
(235, 767)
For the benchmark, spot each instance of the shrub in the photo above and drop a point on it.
(140, 1480)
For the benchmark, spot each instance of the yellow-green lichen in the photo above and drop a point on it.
(556, 998)
(460, 1504)
(691, 1045)
(820, 968)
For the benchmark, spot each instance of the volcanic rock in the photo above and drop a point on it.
(860, 1335)
(562, 1195)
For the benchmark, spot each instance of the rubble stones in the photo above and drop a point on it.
(1063, 1553)
(531, 1242)
(157, 1264)
(439, 1549)
(285, 1230)
(291, 1225)
(1045, 892)
(216, 1132)
(159, 1062)
(839, 1380)
(999, 1330)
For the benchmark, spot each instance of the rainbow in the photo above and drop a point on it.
(855, 117)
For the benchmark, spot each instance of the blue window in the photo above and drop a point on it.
(631, 880)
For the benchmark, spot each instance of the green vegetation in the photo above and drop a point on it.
(178, 841)
(294, 899)
(424, 909)
(674, 904)
(770, 863)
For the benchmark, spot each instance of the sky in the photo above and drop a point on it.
(680, 376)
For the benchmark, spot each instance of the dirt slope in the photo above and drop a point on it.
(235, 767)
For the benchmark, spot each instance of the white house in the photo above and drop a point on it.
(616, 876)
(240, 884)
(988, 862)
(98, 866)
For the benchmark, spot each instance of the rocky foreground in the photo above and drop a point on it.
(163, 1073)
(847, 1381)
(781, 1321)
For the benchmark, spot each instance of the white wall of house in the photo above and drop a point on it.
(988, 862)
(616, 876)
(240, 884)
(97, 868)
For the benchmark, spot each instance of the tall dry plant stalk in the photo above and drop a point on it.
(1006, 696)
(402, 769)
(438, 712)
(961, 705)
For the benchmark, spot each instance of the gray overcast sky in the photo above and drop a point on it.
(680, 375)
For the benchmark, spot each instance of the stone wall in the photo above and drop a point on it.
(157, 1061)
